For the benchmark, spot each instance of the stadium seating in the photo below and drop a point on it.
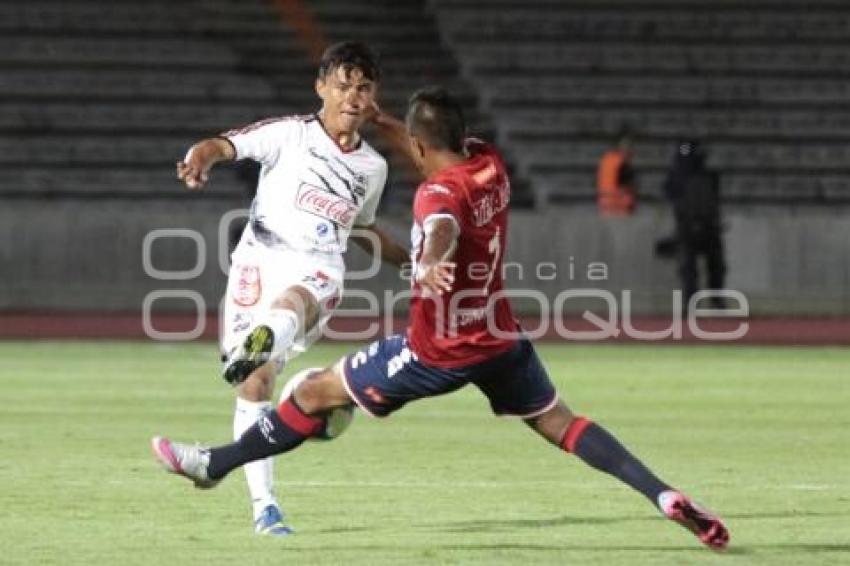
(101, 99)
(97, 97)
(762, 83)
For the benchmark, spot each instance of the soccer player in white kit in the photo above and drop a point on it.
(319, 180)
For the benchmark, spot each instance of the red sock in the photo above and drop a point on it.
(292, 416)
(574, 432)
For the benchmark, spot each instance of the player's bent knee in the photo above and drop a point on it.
(321, 392)
(300, 301)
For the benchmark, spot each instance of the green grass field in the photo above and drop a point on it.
(761, 435)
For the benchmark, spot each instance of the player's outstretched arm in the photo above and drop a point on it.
(435, 271)
(195, 167)
(392, 130)
(382, 243)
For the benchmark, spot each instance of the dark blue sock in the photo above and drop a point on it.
(274, 433)
(597, 448)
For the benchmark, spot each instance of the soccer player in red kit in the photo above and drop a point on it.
(461, 331)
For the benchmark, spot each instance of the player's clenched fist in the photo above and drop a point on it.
(191, 174)
(195, 168)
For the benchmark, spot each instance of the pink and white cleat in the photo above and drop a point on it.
(703, 523)
(187, 460)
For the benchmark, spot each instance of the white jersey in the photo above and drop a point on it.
(311, 192)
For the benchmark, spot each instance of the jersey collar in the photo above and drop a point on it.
(332, 139)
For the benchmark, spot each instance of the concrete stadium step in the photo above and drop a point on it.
(694, 91)
(93, 149)
(375, 9)
(110, 180)
(70, 17)
(408, 59)
(153, 84)
(148, 116)
(124, 52)
(97, 150)
(730, 156)
(776, 5)
(158, 18)
(552, 22)
(686, 58)
(676, 123)
(735, 187)
(139, 117)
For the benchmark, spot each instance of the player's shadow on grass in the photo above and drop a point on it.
(806, 546)
(500, 525)
(776, 515)
(606, 548)
(696, 548)
(484, 526)
(340, 530)
(772, 549)
(491, 526)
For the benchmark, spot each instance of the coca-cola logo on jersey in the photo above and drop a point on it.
(327, 205)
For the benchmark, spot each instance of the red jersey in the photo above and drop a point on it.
(463, 327)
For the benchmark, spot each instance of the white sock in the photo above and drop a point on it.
(284, 324)
(260, 473)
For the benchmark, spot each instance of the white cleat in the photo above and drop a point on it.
(187, 460)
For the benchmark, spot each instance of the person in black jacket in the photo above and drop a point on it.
(694, 192)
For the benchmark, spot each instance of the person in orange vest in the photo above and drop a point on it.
(615, 179)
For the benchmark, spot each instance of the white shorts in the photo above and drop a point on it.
(259, 274)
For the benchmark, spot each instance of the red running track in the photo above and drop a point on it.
(129, 326)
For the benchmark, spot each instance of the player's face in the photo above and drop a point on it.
(346, 97)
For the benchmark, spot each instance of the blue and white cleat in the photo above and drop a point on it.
(271, 523)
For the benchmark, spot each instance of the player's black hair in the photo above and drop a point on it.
(436, 117)
(350, 55)
(689, 155)
(689, 147)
